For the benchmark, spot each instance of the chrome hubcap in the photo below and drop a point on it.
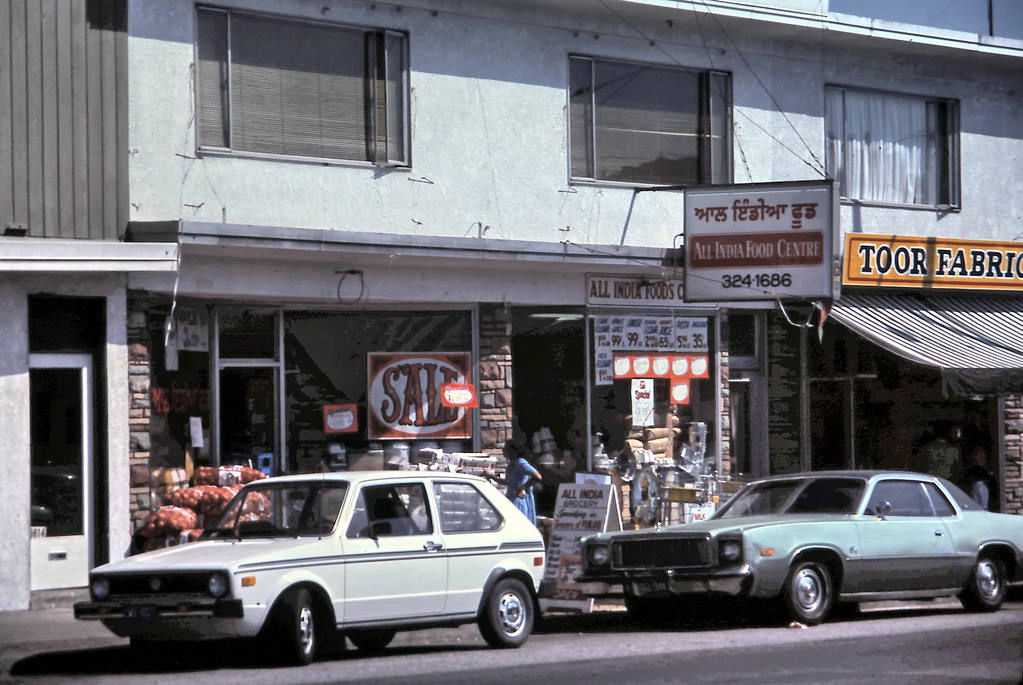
(305, 629)
(511, 613)
(987, 579)
(808, 589)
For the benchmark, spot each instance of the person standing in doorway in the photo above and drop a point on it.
(977, 478)
(940, 456)
(519, 479)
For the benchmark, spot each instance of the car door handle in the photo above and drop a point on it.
(431, 546)
(939, 533)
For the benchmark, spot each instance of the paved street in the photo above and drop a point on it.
(925, 642)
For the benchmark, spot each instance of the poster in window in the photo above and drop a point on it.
(404, 398)
(340, 418)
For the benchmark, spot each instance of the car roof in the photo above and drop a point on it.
(866, 474)
(357, 477)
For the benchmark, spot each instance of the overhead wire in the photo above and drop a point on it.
(815, 165)
(819, 165)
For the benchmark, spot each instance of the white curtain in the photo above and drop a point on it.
(883, 147)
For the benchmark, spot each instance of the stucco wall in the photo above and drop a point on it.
(489, 141)
(14, 426)
(15, 486)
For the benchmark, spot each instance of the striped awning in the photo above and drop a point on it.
(977, 342)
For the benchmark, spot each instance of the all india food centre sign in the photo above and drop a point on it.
(760, 241)
(927, 262)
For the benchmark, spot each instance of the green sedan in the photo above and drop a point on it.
(819, 541)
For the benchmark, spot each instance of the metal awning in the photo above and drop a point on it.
(977, 342)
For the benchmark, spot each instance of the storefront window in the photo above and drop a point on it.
(327, 383)
(653, 389)
(180, 388)
(247, 334)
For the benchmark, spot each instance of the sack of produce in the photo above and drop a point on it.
(206, 475)
(169, 520)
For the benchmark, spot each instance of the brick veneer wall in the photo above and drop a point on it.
(139, 368)
(495, 377)
(1012, 467)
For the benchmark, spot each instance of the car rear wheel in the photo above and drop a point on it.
(987, 586)
(507, 616)
(371, 640)
(808, 592)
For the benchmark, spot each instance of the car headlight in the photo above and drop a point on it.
(598, 555)
(731, 550)
(100, 588)
(218, 585)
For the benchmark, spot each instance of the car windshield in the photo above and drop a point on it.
(280, 510)
(796, 496)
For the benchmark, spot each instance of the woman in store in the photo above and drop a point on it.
(520, 477)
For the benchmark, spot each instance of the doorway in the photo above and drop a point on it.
(61, 417)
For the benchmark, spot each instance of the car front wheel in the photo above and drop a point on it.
(507, 616)
(291, 630)
(987, 586)
(808, 592)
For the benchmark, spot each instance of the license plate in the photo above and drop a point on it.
(140, 613)
(650, 587)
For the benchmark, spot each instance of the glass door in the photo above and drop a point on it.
(60, 389)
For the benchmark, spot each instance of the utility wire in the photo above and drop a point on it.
(820, 167)
(817, 168)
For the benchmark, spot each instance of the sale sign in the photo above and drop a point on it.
(405, 397)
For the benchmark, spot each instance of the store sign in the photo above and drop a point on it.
(614, 335)
(581, 509)
(760, 241)
(625, 290)
(459, 395)
(404, 398)
(642, 402)
(921, 262)
(340, 418)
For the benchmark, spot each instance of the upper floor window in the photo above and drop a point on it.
(274, 86)
(896, 149)
(638, 123)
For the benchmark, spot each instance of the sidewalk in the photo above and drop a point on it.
(24, 633)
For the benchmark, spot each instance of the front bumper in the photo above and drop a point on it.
(152, 608)
(735, 581)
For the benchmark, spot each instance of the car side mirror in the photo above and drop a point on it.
(380, 529)
(881, 509)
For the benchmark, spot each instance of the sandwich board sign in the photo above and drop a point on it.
(581, 509)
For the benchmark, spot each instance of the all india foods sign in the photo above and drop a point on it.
(927, 262)
(405, 398)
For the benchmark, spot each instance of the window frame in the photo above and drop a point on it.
(705, 161)
(952, 202)
(370, 102)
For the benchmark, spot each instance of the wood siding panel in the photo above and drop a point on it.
(6, 151)
(18, 103)
(63, 125)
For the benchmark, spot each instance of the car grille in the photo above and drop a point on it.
(168, 584)
(660, 552)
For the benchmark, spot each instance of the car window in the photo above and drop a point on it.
(829, 496)
(285, 510)
(940, 503)
(965, 502)
(761, 498)
(462, 508)
(391, 510)
(906, 497)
